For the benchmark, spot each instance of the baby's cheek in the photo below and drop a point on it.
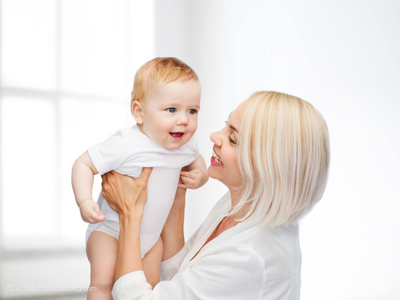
(195, 128)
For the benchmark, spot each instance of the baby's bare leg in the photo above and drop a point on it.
(101, 250)
(151, 263)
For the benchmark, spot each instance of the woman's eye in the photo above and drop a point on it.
(232, 141)
(192, 111)
(171, 109)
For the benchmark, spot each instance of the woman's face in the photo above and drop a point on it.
(224, 165)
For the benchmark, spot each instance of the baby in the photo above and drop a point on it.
(165, 104)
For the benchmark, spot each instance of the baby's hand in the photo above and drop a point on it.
(90, 212)
(193, 179)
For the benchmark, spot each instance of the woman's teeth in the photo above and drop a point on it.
(216, 157)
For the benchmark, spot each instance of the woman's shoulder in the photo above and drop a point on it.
(265, 240)
(273, 246)
(279, 250)
(268, 242)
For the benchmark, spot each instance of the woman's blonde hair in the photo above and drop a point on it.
(283, 157)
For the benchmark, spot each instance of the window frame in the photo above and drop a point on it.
(40, 247)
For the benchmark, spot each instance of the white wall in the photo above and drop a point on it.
(343, 57)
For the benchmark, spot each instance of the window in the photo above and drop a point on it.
(67, 69)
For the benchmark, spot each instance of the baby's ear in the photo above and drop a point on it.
(137, 112)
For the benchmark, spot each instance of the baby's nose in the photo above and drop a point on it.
(183, 119)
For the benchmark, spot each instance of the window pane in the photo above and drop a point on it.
(84, 124)
(28, 167)
(28, 43)
(94, 54)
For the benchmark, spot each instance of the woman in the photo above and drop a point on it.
(273, 156)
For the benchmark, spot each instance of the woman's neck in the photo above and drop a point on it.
(235, 198)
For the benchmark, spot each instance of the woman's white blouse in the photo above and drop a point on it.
(244, 262)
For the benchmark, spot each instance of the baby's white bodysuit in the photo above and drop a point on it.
(129, 150)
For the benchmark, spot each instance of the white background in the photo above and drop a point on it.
(342, 56)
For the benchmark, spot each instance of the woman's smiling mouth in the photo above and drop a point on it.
(215, 159)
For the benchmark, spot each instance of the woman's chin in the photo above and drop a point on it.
(213, 174)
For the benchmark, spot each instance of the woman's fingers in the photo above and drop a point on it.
(109, 181)
(110, 178)
(123, 192)
(104, 184)
(104, 178)
(146, 172)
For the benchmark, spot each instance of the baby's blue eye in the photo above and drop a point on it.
(192, 111)
(171, 109)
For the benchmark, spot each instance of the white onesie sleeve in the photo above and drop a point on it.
(109, 154)
(192, 144)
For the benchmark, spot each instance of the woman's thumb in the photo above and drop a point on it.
(146, 172)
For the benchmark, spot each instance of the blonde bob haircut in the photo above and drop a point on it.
(166, 69)
(283, 157)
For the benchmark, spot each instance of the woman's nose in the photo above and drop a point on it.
(216, 138)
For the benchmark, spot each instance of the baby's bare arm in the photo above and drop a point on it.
(198, 164)
(83, 172)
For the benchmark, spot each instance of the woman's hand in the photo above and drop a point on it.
(127, 196)
(124, 193)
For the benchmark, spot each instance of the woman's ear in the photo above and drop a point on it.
(137, 112)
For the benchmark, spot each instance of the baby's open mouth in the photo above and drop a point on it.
(176, 134)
